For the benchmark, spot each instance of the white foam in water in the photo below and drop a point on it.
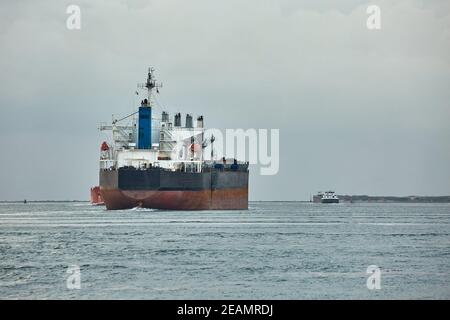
(140, 209)
(83, 205)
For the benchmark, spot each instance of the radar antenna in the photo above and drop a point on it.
(150, 85)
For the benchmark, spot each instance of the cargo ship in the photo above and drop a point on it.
(154, 162)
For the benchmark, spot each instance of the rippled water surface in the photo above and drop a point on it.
(275, 250)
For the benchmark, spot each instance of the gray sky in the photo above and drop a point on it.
(359, 111)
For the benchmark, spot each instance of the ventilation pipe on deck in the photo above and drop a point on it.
(188, 121)
(177, 122)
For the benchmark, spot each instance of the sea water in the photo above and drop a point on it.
(275, 250)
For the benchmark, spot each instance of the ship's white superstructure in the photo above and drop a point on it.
(173, 146)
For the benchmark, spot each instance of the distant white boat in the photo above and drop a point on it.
(329, 197)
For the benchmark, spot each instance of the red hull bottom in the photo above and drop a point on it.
(222, 199)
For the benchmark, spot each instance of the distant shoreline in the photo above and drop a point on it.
(392, 199)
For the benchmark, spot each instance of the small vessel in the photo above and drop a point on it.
(96, 197)
(329, 197)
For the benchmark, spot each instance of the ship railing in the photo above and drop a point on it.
(184, 165)
(219, 166)
(106, 164)
(193, 166)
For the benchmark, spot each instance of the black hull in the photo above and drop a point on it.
(160, 189)
(330, 201)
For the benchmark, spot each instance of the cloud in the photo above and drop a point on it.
(339, 93)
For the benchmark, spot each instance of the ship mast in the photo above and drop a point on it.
(151, 85)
